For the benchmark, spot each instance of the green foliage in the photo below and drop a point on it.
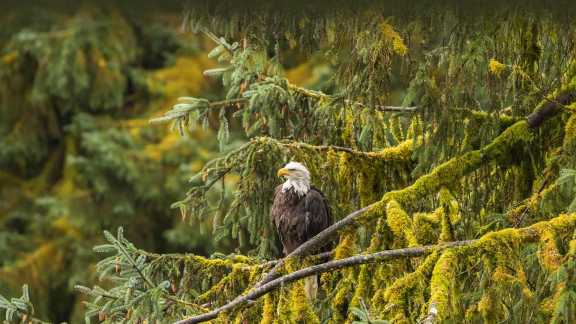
(18, 308)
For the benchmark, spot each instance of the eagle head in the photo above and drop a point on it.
(297, 178)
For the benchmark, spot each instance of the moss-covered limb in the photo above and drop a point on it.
(401, 152)
(261, 290)
(550, 107)
(446, 174)
(563, 225)
(548, 253)
(451, 171)
(442, 176)
(483, 116)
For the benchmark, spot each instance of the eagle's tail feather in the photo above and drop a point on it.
(311, 287)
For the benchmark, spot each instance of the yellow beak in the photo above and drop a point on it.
(283, 172)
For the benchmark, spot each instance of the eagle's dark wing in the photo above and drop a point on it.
(297, 219)
(318, 214)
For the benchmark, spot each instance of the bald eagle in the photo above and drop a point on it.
(299, 212)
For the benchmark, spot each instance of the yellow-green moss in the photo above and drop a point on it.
(409, 288)
(339, 303)
(570, 135)
(365, 184)
(448, 173)
(426, 226)
(376, 240)
(400, 223)
(548, 254)
(415, 127)
(401, 152)
(487, 307)
(450, 215)
(442, 284)
(268, 315)
(362, 288)
(301, 310)
(347, 246)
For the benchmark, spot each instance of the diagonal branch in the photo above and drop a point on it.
(326, 267)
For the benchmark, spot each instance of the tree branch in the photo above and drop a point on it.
(550, 108)
(321, 268)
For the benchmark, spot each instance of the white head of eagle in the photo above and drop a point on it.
(297, 178)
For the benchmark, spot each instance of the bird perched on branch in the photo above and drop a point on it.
(299, 212)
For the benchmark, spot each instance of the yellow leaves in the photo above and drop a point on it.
(184, 78)
(398, 45)
(496, 67)
(157, 151)
(32, 267)
(63, 224)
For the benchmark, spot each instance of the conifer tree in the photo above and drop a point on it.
(445, 145)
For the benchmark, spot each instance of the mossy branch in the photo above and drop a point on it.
(486, 244)
(321, 268)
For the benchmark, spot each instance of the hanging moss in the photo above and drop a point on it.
(451, 171)
(569, 144)
(426, 226)
(442, 285)
(361, 289)
(340, 301)
(400, 223)
(347, 246)
(550, 257)
(449, 215)
(268, 314)
(408, 290)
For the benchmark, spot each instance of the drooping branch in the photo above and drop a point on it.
(449, 171)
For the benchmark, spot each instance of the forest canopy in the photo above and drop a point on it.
(443, 137)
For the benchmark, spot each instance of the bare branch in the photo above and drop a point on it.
(397, 108)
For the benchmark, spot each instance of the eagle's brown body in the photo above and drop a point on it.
(297, 219)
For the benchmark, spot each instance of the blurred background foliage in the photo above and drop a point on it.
(78, 85)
